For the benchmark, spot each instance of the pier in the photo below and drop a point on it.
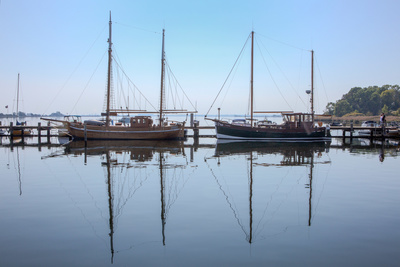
(44, 131)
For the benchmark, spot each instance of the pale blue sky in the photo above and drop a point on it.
(57, 46)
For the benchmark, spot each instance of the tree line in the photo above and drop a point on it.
(369, 101)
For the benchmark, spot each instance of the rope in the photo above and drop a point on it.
(228, 75)
(87, 84)
(76, 68)
(270, 74)
(129, 80)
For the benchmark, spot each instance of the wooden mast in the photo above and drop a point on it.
(162, 79)
(109, 75)
(312, 87)
(251, 78)
(17, 99)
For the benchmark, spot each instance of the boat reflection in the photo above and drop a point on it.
(126, 156)
(262, 160)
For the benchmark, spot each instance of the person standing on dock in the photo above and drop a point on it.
(383, 119)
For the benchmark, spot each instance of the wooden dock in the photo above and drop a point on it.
(41, 131)
(380, 132)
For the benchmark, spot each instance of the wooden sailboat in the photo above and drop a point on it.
(139, 128)
(296, 126)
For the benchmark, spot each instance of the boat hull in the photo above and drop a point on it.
(125, 133)
(230, 131)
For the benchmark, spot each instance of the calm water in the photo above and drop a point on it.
(205, 204)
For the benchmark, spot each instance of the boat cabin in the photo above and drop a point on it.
(295, 120)
(141, 122)
(73, 118)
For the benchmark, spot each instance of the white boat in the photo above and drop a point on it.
(368, 124)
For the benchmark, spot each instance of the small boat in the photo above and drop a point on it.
(63, 129)
(336, 123)
(368, 124)
(19, 130)
(296, 126)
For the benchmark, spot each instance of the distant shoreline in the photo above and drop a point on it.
(359, 119)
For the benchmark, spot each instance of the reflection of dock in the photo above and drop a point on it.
(380, 132)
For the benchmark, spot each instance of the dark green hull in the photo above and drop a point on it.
(239, 132)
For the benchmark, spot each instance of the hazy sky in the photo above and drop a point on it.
(59, 48)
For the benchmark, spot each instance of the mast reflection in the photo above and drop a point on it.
(256, 153)
(139, 152)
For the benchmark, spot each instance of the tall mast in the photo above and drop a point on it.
(312, 86)
(162, 77)
(251, 77)
(109, 75)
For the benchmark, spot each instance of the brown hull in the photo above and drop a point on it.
(126, 133)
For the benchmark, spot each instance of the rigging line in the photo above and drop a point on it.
(76, 68)
(75, 202)
(179, 84)
(293, 46)
(270, 74)
(228, 75)
(87, 84)
(168, 90)
(119, 84)
(283, 73)
(323, 85)
(231, 81)
(138, 28)
(227, 200)
(323, 188)
(134, 85)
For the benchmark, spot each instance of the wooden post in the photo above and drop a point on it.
(351, 131)
(85, 134)
(39, 132)
(48, 132)
(11, 130)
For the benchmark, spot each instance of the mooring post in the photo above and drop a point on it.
(85, 134)
(48, 132)
(191, 119)
(11, 130)
(195, 131)
(39, 130)
(351, 131)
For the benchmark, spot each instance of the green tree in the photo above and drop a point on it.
(386, 110)
(342, 107)
(330, 108)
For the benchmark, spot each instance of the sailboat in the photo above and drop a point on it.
(296, 126)
(139, 128)
(18, 130)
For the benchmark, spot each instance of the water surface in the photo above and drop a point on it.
(200, 203)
